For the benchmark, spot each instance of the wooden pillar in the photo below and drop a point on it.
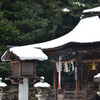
(34, 68)
(20, 68)
(81, 71)
(12, 68)
(77, 73)
(77, 80)
(54, 76)
(78, 58)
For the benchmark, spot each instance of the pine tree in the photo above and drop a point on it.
(8, 33)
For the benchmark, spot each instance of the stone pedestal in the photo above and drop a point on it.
(60, 96)
(23, 90)
(97, 79)
(1, 88)
(98, 93)
(42, 89)
(1, 95)
(41, 96)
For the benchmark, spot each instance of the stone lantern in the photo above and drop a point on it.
(97, 79)
(42, 89)
(24, 59)
(2, 84)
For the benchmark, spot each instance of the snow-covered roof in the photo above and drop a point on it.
(26, 53)
(87, 31)
(96, 9)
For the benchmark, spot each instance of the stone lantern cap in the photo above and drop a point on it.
(42, 84)
(24, 53)
(2, 84)
(97, 78)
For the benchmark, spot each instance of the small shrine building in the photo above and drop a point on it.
(82, 43)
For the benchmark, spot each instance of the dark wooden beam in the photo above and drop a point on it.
(34, 68)
(15, 61)
(77, 80)
(54, 76)
(91, 60)
(12, 68)
(20, 68)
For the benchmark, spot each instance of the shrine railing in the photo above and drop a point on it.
(84, 94)
(73, 95)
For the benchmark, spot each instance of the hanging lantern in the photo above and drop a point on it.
(93, 66)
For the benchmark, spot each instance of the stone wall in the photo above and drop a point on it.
(11, 93)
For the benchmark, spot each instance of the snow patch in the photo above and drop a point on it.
(65, 10)
(43, 85)
(96, 9)
(29, 53)
(97, 76)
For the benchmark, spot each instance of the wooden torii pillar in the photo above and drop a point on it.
(55, 77)
(54, 74)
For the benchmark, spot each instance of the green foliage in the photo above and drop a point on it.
(8, 34)
(34, 19)
(45, 69)
(43, 18)
(5, 69)
(68, 77)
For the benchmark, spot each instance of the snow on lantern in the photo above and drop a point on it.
(23, 59)
(2, 84)
(42, 89)
(97, 79)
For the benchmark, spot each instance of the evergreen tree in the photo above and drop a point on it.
(8, 33)
(34, 19)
